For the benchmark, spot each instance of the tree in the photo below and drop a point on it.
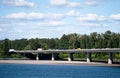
(52, 44)
(1, 48)
(6, 47)
(74, 41)
(118, 40)
(34, 44)
(99, 41)
(28, 47)
(64, 42)
(83, 41)
(107, 39)
(44, 43)
(93, 39)
(114, 40)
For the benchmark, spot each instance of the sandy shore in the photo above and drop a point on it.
(44, 62)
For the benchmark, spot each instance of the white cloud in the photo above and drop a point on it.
(42, 16)
(17, 15)
(19, 3)
(65, 3)
(58, 2)
(91, 2)
(115, 16)
(74, 4)
(35, 16)
(55, 16)
(56, 23)
(91, 18)
(53, 19)
(52, 23)
(72, 13)
(90, 24)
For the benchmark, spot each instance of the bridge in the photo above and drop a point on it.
(70, 53)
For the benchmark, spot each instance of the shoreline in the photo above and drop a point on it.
(48, 62)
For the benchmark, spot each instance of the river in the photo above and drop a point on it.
(57, 71)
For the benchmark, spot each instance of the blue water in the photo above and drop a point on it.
(57, 71)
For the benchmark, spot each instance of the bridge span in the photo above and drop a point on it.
(70, 53)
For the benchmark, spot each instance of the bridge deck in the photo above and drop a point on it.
(68, 50)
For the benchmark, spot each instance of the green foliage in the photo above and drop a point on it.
(6, 45)
(64, 42)
(116, 55)
(28, 47)
(62, 55)
(71, 41)
(16, 56)
(100, 55)
(80, 55)
(33, 44)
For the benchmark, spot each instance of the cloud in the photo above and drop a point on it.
(115, 17)
(35, 16)
(47, 29)
(52, 23)
(91, 24)
(74, 4)
(27, 16)
(55, 27)
(56, 23)
(91, 2)
(58, 2)
(95, 2)
(19, 3)
(54, 19)
(55, 16)
(65, 3)
(91, 18)
(72, 13)
(42, 16)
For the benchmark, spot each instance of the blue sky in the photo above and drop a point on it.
(53, 18)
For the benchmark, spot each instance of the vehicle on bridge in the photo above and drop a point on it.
(40, 49)
(11, 50)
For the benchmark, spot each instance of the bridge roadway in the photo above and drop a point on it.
(71, 51)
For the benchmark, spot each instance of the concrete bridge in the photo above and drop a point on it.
(70, 52)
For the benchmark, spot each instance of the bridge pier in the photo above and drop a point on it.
(24, 54)
(110, 59)
(70, 56)
(37, 56)
(53, 57)
(89, 59)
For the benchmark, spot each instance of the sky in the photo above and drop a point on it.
(53, 18)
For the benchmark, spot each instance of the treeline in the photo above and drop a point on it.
(71, 41)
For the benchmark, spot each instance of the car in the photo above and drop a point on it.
(11, 50)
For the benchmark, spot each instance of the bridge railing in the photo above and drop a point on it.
(67, 50)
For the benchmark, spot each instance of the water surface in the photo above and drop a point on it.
(57, 71)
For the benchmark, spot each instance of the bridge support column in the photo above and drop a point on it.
(70, 56)
(53, 57)
(37, 56)
(89, 57)
(24, 54)
(110, 60)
